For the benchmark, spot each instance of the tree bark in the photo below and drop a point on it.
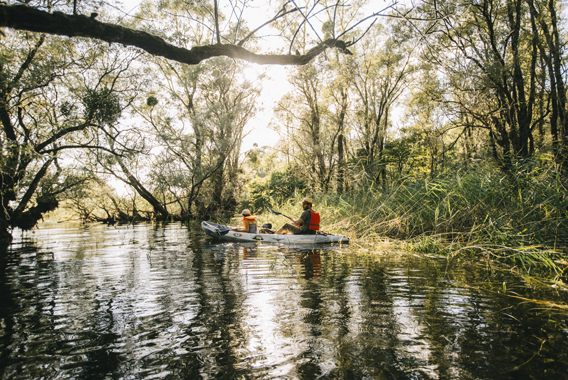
(341, 144)
(140, 189)
(21, 17)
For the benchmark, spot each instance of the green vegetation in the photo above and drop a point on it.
(520, 218)
(445, 129)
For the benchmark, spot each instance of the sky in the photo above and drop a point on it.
(274, 87)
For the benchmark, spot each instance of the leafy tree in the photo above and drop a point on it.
(304, 120)
(195, 121)
(496, 56)
(381, 72)
(276, 188)
(95, 201)
(425, 119)
(338, 98)
(51, 102)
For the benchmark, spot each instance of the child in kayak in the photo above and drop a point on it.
(249, 223)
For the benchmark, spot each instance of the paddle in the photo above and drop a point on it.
(278, 213)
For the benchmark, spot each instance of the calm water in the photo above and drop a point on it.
(147, 302)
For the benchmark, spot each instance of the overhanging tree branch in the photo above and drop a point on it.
(21, 17)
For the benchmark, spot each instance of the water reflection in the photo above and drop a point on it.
(162, 301)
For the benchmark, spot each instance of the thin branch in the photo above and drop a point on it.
(81, 146)
(278, 15)
(374, 15)
(217, 22)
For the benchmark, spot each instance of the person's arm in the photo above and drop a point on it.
(301, 219)
(242, 229)
(247, 227)
(298, 222)
(239, 229)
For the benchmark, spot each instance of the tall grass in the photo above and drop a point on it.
(520, 217)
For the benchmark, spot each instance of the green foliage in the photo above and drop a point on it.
(93, 200)
(520, 217)
(102, 105)
(276, 188)
(427, 244)
(151, 101)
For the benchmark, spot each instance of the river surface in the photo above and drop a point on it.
(164, 302)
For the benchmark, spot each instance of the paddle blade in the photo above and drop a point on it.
(274, 212)
(278, 213)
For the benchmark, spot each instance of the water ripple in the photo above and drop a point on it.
(153, 301)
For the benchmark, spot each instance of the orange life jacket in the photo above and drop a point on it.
(314, 220)
(251, 225)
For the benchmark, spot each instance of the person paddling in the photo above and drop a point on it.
(249, 223)
(307, 224)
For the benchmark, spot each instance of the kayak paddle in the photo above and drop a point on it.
(278, 213)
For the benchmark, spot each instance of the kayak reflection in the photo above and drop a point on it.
(308, 257)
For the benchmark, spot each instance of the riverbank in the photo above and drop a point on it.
(517, 219)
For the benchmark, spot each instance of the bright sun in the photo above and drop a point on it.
(250, 74)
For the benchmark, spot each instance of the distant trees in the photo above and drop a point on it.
(199, 130)
(468, 83)
(304, 122)
(339, 113)
(382, 72)
(194, 118)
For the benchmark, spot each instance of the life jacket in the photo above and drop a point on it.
(314, 221)
(252, 224)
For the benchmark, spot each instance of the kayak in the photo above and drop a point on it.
(221, 232)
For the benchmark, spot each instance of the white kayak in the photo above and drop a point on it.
(221, 232)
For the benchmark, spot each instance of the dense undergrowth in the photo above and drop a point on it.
(520, 218)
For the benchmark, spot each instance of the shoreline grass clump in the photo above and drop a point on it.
(520, 217)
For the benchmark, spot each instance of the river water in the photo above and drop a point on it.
(163, 301)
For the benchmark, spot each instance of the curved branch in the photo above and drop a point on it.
(33, 186)
(21, 17)
(56, 136)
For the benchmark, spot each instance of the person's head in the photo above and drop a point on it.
(246, 212)
(307, 203)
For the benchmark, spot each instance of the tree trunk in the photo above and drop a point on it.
(141, 190)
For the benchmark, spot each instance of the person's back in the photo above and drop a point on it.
(249, 222)
(311, 223)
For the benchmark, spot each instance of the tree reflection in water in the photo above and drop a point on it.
(162, 301)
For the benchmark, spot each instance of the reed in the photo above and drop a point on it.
(520, 217)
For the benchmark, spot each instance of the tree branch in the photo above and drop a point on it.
(56, 136)
(21, 17)
(33, 187)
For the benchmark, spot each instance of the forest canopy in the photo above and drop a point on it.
(384, 99)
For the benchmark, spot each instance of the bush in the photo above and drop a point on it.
(275, 189)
